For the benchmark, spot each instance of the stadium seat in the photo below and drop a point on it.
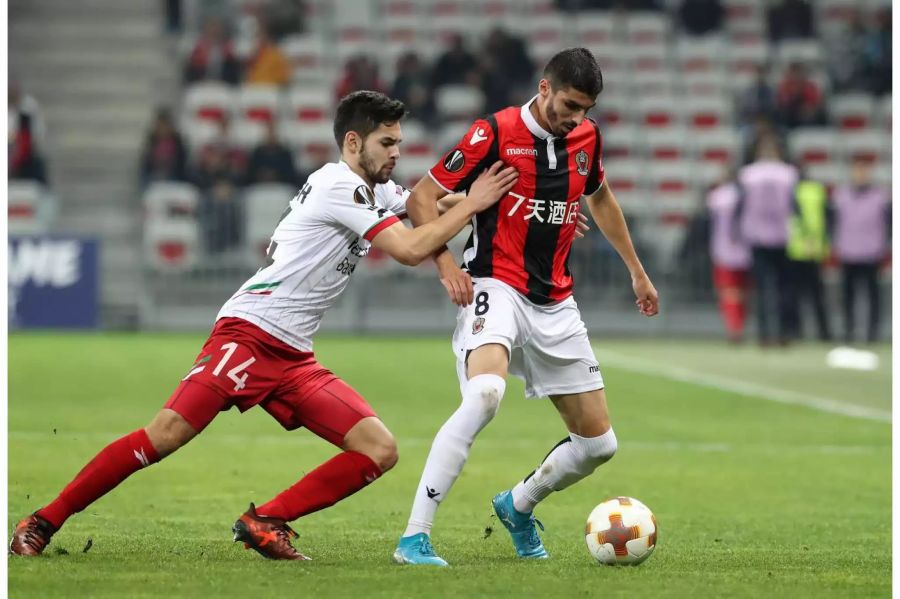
(264, 203)
(653, 83)
(405, 28)
(852, 110)
(258, 102)
(669, 178)
(882, 175)
(615, 110)
(620, 141)
(705, 84)
(392, 9)
(441, 30)
(171, 246)
(835, 11)
(459, 101)
(170, 200)
(813, 145)
(23, 206)
(746, 57)
(626, 175)
(870, 144)
(884, 111)
(808, 52)
(699, 55)
(657, 111)
(247, 133)
(721, 145)
(737, 10)
(306, 56)
(209, 100)
(417, 141)
(648, 28)
(410, 169)
(200, 132)
(648, 57)
(310, 140)
(309, 105)
(549, 29)
(597, 28)
(352, 48)
(448, 8)
(828, 173)
(750, 30)
(707, 112)
(705, 174)
(665, 144)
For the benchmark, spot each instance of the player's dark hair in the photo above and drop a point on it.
(576, 68)
(363, 112)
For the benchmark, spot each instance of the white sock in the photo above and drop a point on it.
(450, 448)
(569, 461)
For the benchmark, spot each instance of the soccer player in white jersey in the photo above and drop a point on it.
(524, 319)
(260, 350)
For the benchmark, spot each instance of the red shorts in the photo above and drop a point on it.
(242, 365)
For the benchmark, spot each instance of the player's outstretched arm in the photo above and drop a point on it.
(609, 218)
(412, 246)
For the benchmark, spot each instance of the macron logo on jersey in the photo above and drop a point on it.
(521, 152)
(477, 137)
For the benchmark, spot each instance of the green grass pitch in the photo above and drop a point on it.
(753, 497)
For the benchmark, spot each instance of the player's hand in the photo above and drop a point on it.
(491, 185)
(647, 297)
(458, 284)
(581, 226)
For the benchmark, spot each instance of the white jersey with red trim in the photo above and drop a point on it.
(315, 248)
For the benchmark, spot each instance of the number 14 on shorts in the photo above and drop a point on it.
(236, 374)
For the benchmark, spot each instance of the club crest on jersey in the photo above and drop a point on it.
(363, 195)
(454, 161)
(581, 162)
(478, 325)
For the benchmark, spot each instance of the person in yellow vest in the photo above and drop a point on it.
(807, 248)
(269, 65)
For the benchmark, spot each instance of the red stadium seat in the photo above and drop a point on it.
(648, 57)
(620, 141)
(309, 105)
(721, 145)
(615, 110)
(746, 57)
(168, 200)
(654, 83)
(264, 205)
(813, 145)
(665, 144)
(657, 111)
(246, 134)
(646, 29)
(707, 112)
(596, 29)
(416, 140)
(258, 102)
(23, 205)
(852, 111)
(625, 175)
(828, 173)
(698, 55)
(459, 101)
(209, 100)
(872, 145)
(171, 246)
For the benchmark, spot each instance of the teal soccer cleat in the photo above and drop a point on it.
(417, 550)
(522, 527)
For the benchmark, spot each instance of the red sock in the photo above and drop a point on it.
(116, 462)
(341, 476)
(731, 312)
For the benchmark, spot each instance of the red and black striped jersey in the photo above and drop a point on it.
(525, 238)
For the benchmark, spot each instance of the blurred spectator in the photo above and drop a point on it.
(268, 65)
(284, 17)
(700, 17)
(26, 131)
(878, 45)
(847, 55)
(360, 72)
(220, 210)
(164, 157)
(411, 87)
(505, 70)
(807, 248)
(790, 19)
(455, 66)
(758, 100)
(316, 158)
(235, 156)
(213, 56)
(799, 99)
(173, 16)
(762, 127)
(730, 256)
(862, 221)
(271, 162)
(767, 190)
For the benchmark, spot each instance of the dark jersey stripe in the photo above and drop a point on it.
(485, 222)
(542, 238)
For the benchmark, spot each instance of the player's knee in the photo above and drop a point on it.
(596, 450)
(169, 431)
(384, 452)
(487, 391)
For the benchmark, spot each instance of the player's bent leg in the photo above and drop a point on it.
(168, 432)
(590, 443)
(487, 369)
(372, 438)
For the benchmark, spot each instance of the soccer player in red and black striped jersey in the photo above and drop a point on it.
(523, 319)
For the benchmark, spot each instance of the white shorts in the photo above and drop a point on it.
(548, 345)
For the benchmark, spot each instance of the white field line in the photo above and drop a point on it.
(288, 439)
(747, 389)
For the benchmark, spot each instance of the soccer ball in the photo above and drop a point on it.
(621, 531)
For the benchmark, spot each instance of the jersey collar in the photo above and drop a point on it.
(532, 123)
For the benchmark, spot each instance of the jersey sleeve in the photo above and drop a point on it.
(353, 205)
(597, 175)
(476, 151)
(393, 197)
